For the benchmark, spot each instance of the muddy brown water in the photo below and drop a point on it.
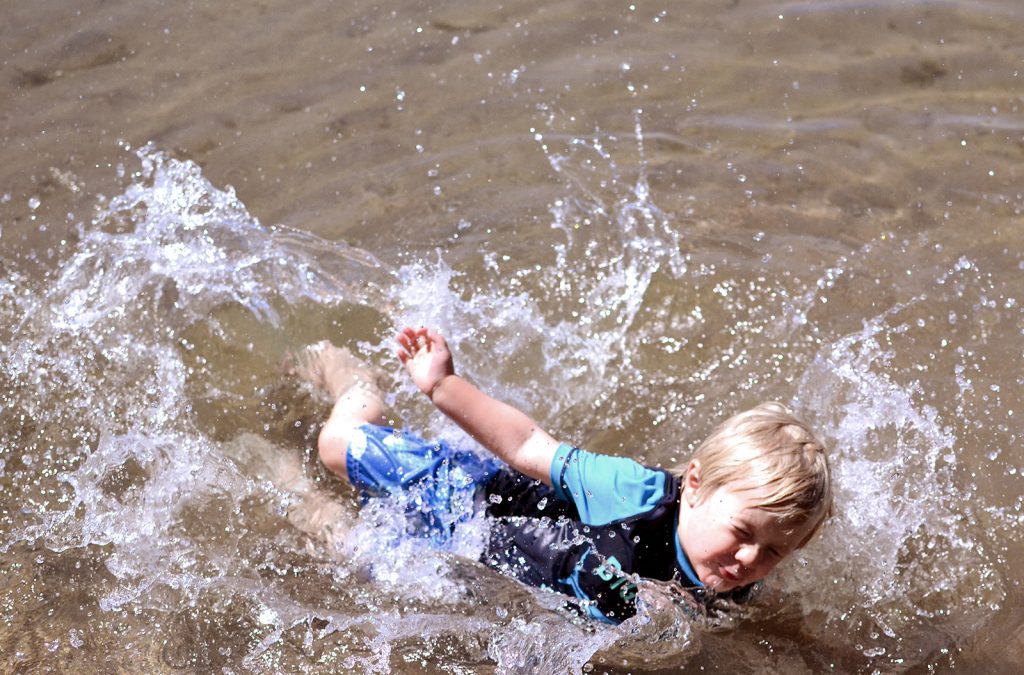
(631, 219)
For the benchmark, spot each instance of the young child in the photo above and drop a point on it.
(583, 524)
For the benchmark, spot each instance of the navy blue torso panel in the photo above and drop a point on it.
(607, 521)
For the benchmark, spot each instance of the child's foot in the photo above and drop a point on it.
(334, 370)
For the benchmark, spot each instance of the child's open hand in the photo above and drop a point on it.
(426, 357)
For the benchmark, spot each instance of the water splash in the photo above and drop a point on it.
(902, 487)
(104, 441)
(110, 454)
(573, 316)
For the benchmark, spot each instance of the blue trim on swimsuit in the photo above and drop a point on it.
(573, 581)
(557, 470)
(684, 562)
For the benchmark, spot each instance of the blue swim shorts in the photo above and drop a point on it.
(439, 482)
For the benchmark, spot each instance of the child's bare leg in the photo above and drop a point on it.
(310, 509)
(352, 385)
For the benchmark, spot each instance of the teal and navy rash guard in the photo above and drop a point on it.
(606, 521)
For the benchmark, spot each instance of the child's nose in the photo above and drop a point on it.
(748, 554)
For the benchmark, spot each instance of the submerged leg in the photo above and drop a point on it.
(353, 386)
(309, 508)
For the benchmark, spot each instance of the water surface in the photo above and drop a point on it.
(631, 219)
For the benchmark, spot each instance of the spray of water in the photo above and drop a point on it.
(104, 447)
(102, 451)
(901, 558)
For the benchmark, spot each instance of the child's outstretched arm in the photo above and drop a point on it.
(507, 432)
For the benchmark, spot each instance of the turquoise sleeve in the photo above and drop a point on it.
(604, 489)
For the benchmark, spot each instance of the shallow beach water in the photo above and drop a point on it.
(630, 219)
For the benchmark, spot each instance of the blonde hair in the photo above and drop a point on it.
(770, 448)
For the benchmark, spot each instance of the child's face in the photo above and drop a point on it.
(729, 540)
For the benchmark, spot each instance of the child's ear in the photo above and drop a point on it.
(691, 482)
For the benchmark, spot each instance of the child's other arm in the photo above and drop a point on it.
(507, 432)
